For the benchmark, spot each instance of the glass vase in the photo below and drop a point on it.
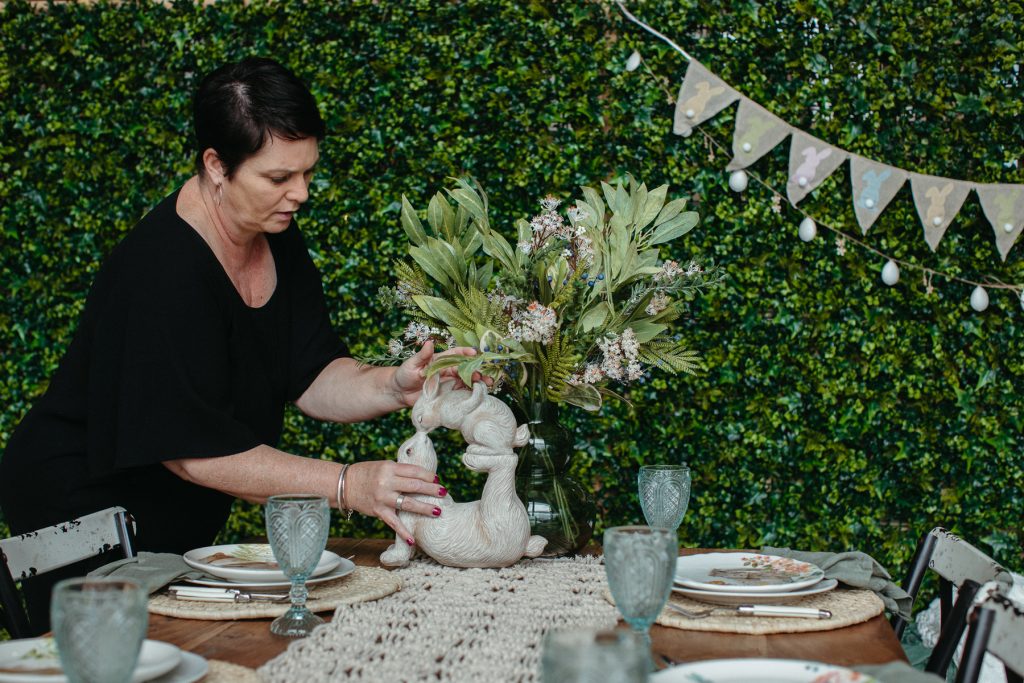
(560, 509)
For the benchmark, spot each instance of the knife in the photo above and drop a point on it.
(782, 611)
(207, 594)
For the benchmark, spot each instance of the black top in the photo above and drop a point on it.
(167, 362)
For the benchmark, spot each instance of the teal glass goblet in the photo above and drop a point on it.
(297, 527)
(98, 626)
(640, 563)
(664, 494)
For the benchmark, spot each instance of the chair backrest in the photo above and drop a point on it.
(959, 565)
(997, 628)
(42, 551)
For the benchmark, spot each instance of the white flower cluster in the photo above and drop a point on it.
(591, 374)
(621, 361)
(658, 303)
(536, 323)
(419, 332)
(671, 270)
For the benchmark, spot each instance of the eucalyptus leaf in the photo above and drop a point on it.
(469, 200)
(646, 331)
(582, 395)
(439, 309)
(594, 201)
(637, 202)
(595, 317)
(411, 223)
(670, 210)
(652, 206)
(431, 264)
(675, 227)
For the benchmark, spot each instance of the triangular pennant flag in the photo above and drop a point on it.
(938, 201)
(1004, 208)
(757, 132)
(874, 186)
(701, 96)
(810, 162)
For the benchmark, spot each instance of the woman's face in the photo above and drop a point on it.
(269, 187)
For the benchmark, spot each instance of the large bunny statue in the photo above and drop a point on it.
(493, 531)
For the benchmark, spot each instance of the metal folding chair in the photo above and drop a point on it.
(997, 627)
(958, 564)
(39, 552)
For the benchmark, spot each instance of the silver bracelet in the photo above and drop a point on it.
(341, 491)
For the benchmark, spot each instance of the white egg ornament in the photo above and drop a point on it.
(633, 62)
(979, 299)
(738, 181)
(808, 230)
(890, 273)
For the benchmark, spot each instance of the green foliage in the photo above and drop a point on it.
(835, 412)
(573, 306)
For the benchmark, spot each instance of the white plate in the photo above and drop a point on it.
(191, 668)
(156, 658)
(259, 552)
(759, 670)
(745, 573)
(728, 598)
(344, 568)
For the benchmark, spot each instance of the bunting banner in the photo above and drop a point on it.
(1004, 207)
(701, 96)
(874, 186)
(810, 162)
(938, 201)
(758, 131)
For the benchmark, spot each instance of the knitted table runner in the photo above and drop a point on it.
(450, 624)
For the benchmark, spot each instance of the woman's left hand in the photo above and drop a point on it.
(410, 375)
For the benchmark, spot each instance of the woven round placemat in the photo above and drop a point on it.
(226, 672)
(848, 607)
(362, 585)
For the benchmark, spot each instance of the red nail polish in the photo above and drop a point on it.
(410, 541)
(437, 479)
(437, 512)
(442, 492)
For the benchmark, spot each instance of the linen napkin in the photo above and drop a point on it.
(898, 672)
(152, 571)
(855, 569)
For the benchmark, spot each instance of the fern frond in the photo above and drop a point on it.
(672, 357)
(557, 361)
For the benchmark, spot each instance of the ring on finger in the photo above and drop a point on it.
(399, 502)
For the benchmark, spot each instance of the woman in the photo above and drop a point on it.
(202, 323)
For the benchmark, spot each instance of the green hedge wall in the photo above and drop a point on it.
(837, 412)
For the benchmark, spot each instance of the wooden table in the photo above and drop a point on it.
(251, 644)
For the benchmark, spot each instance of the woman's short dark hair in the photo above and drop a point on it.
(239, 105)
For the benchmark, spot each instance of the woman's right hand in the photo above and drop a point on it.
(373, 488)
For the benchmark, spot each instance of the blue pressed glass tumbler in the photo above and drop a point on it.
(640, 562)
(297, 528)
(664, 494)
(98, 626)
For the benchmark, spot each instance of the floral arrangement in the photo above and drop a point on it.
(578, 302)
